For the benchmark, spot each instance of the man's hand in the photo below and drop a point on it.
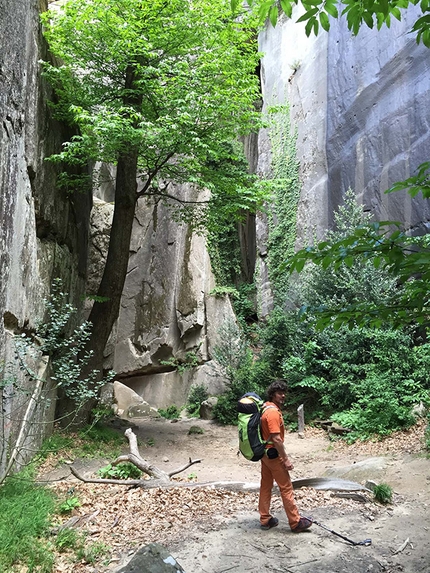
(279, 445)
(287, 464)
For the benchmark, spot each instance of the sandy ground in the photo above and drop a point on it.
(238, 545)
(208, 532)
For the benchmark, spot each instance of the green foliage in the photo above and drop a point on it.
(124, 470)
(64, 345)
(101, 414)
(92, 441)
(405, 258)
(191, 360)
(69, 505)
(285, 190)
(69, 539)
(171, 412)
(98, 441)
(221, 291)
(244, 302)
(170, 80)
(198, 394)
(54, 444)
(368, 379)
(92, 552)
(383, 493)
(26, 511)
(231, 352)
(234, 358)
(318, 13)
(417, 183)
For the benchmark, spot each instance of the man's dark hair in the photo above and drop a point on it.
(276, 386)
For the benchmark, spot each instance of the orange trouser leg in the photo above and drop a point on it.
(272, 470)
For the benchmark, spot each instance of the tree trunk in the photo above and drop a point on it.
(104, 313)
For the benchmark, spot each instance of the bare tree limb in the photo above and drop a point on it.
(159, 477)
(154, 483)
(183, 468)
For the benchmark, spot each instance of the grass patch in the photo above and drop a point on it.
(93, 441)
(26, 511)
(383, 493)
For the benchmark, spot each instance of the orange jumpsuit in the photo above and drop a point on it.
(272, 470)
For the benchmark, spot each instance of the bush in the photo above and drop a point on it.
(383, 493)
(171, 412)
(124, 470)
(197, 395)
(369, 378)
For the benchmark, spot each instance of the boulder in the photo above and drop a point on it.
(129, 404)
(207, 408)
(370, 468)
(152, 558)
(419, 410)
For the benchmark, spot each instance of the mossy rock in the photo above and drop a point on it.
(195, 430)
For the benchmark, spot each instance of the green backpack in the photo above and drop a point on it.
(249, 410)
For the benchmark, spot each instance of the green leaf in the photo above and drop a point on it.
(273, 15)
(326, 262)
(299, 265)
(331, 9)
(309, 26)
(368, 19)
(377, 262)
(325, 24)
(396, 13)
(349, 261)
(287, 7)
(308, 15)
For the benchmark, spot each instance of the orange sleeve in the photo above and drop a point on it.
(273, 421)
(270, 422)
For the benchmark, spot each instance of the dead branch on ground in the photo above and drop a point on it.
(158, 477)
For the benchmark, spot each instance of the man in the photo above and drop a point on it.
(275, 465)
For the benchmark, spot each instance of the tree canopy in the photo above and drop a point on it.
(175, 81)
(357, 12)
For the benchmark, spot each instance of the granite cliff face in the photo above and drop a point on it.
(167, 313)
(361, 107)
(43, 232)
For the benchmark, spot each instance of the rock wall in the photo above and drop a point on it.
(361, 107)
(168, 318)
(43, 233)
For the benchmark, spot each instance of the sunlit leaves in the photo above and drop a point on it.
(417, 183)
(370, 13)
(175, 81)
(407, 258)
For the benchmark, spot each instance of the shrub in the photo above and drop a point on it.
(171, 412)
(197, 395)
(383, 493)
(69, 505)
(124, 470)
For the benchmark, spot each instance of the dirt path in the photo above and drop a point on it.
(216, 532)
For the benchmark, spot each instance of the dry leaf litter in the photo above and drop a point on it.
(126, 518)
